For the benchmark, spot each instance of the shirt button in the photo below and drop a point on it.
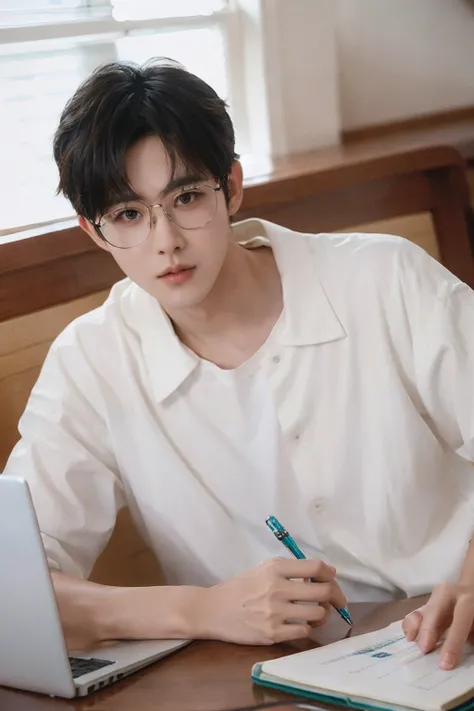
(297, 437)
(318, 505)
(276, 359)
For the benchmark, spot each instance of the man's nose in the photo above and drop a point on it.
(166, 236)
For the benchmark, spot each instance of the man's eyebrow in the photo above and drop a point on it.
(181, 181)
(173, 184)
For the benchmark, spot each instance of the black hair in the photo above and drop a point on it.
(119, 104)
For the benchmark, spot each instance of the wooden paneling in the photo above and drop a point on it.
(349, 205)
(24, 342)
(52, 268)
(417, 228)
(127, 560)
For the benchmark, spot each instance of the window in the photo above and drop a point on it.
(47, 47)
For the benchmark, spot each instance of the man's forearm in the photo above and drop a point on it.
(91, 613)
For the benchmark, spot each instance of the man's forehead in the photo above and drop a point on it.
(152, 172)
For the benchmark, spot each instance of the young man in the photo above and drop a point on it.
(240, 371)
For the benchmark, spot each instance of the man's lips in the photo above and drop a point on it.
(174, 276)
(175, 270)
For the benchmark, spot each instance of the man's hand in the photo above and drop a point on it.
(268, 604)
(450, 608)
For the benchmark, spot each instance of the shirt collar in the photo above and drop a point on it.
(308, 318)
(167, 360)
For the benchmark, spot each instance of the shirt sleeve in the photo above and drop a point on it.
(440, 309)
(65, 455)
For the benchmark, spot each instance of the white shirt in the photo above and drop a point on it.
(345, 425)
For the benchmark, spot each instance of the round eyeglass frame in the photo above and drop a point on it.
(150, 208)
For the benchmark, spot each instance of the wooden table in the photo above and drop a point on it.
(206, 676)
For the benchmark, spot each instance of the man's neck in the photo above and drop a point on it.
(240, 312)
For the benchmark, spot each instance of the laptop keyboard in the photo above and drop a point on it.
(79, 666)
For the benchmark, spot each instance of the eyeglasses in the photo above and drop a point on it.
(130, 223)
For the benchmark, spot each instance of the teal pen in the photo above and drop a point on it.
(289, 542)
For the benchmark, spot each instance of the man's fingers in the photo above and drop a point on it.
(436, 616)
(308, 568)
(316, 592)
(458, 633)
(411, 625)
(431, 630)
(324, 587)
(323, 620)
(309, 613)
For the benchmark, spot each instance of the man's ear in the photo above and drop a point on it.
(89, 228)
(236, 187)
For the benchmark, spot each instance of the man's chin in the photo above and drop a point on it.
(182, 300)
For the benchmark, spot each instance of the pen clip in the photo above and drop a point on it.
(276, 528)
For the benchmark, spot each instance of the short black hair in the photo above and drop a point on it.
(122, 102)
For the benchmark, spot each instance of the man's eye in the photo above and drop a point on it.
(187, 198)
(127, 215)
(130, 214)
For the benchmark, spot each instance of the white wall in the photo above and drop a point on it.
(304, 65)
(402, 58)
(290, 65)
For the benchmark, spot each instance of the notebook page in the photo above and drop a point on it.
(380, 666)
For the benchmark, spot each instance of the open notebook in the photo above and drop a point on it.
(379, 670)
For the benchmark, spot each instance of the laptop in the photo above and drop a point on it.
(33, 655)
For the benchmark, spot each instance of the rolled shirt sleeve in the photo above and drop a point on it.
(440, 309)
(65, 455)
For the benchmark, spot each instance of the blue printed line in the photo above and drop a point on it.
(376, 647)
(366, 650)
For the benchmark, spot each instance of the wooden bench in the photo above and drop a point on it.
(48, 278)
